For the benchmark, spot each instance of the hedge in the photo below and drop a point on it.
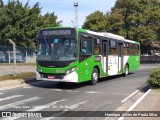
(154, 78)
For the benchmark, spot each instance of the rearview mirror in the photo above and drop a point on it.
(84, 44)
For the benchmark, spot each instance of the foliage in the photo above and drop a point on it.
(154, 78)
(21, 23)
(96, 21)
(137, 20)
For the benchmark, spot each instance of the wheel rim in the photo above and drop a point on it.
(95, 76)
(126, 70)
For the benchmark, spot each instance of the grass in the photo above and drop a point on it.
(23, 75)
(17, 64)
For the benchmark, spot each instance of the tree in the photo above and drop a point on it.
(22, 23)
(49, 19)
(96, 21)
(138, 20)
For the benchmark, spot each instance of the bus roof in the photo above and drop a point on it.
(110, 35)
(102, 34)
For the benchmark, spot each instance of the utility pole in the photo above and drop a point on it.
(76, 13)
(14, 55)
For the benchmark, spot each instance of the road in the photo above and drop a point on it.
(107, 95)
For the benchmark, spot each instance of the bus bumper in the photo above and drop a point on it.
(72, 77)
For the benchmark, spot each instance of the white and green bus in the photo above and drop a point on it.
(77, 55)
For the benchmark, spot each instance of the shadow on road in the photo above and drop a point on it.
(68, 86)
(144, 88)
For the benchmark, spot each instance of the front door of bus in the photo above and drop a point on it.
(105, 56)
(120, 57)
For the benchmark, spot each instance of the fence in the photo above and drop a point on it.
(26, 55)
(150, 59)
(23, 54)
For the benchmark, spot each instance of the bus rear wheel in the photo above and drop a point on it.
(126, 70)
(95, 76)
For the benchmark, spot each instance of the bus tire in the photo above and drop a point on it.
(126, 70)
(95, 76)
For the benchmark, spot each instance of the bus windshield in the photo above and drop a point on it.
(57, 49)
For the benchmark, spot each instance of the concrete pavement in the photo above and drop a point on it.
(4, 70)
(17, 82)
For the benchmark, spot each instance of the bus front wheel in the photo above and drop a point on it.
(95, 76)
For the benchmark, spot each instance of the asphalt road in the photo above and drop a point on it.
(52, 96)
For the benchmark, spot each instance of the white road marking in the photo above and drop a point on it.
(136, 103)
(72, 91)
(1, 93)
(40, 108)
(75, 106)
(92, 92)
(130, 96)
(60, 90)
(7, 106)
(10, 97)
(27, 87)
(47, 118)
(56, 89)
(10, 87)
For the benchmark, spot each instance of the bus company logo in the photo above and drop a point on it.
(97, 59)
(6, 114)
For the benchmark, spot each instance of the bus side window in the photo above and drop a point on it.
(97, 46)
(133, 49)
(112, 47)
(137, 49)
(126, 49)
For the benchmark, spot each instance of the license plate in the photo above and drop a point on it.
(51, 77)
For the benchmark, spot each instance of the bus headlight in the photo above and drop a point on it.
(68, 72)
(73, 69)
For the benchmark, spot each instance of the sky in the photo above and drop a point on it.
(64, 9)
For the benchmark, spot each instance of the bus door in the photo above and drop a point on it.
(120, 57)
(86, 48)
(105, 56)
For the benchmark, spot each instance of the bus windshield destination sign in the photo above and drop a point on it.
(56, 32)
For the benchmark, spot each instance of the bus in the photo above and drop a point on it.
(77, 55)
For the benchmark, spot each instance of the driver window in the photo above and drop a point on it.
(86, 46)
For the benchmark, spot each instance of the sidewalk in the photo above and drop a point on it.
(4, 70)
(16, 82)
(150, 103)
